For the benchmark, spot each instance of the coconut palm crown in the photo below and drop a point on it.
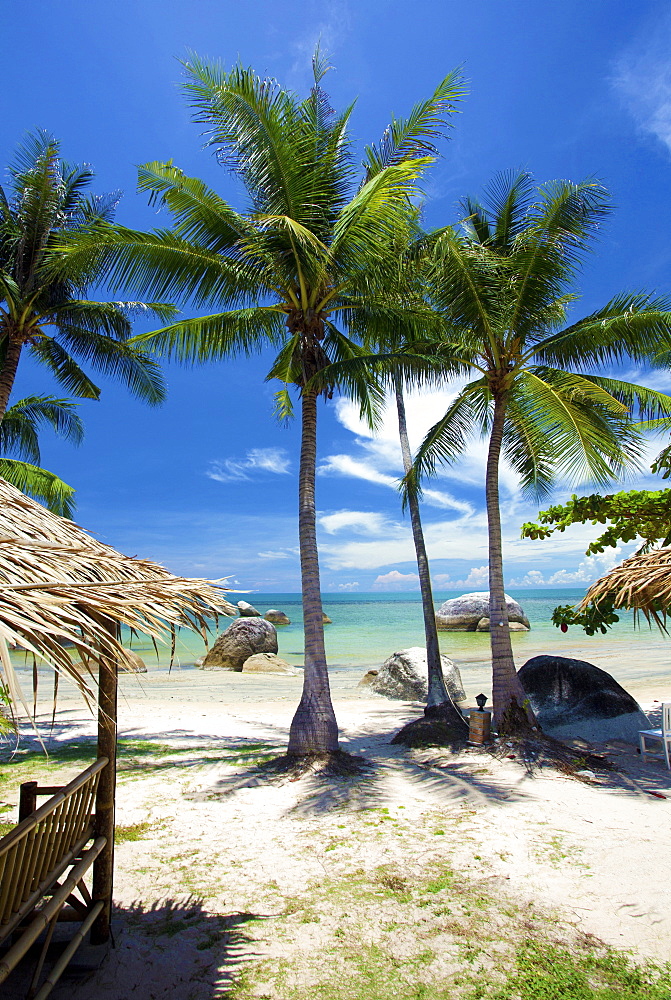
(303, 269)
(46, 311)
(503, 282)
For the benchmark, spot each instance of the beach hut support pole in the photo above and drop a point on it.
(103, 867)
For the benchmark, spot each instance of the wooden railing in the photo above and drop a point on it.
(34, 857)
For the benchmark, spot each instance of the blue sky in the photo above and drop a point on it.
(206, 484)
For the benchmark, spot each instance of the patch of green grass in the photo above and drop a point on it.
(5, 828)
(135, 759)
(550, 972)
(134, 831)
(445, 881)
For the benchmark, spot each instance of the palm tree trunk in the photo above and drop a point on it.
(505, 684)
(313, 728)
(438, 701)
(8, 372)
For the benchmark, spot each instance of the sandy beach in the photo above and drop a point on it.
(429, 868)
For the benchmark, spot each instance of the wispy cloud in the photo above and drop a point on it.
(642, 76)
(328, 31)
(357, 521)
(231, 470)
(379, 460)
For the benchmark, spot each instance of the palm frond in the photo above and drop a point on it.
(631, 325)
(43, 486)
(22, 421)
(159, 266)
(208, 338)
(64, 368)
(416, 135)
(200, 215)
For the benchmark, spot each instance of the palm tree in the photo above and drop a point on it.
(19, 436)
(42, 309)
(303, 265)
(503, 283)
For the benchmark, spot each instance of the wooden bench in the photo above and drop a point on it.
(35, 883)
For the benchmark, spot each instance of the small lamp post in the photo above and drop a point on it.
(479, 722)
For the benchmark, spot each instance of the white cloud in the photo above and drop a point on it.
(348, 587)
(231, 470)
(379, 459)
(587, 571)
(396, 581)
(534, 578)
(284, 554)
(642, 76)
(478, 577)
(359, 521)
(345, 465)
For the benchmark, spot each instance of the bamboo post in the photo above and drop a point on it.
(103, 866)
(27, 799)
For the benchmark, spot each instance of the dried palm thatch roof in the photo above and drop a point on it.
(58, 583)
(641, 583)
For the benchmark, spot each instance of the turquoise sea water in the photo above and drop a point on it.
(367, 628)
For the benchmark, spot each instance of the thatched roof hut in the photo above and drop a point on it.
(641, 583)
(57, 583)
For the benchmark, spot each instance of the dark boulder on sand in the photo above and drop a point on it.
(574, 699)
(241, 640)
(465, 613)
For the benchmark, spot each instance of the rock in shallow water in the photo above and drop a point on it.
(573, 698)
(463, 614)
(276, 617)
(248, 610)
(403, 676)
(241, 640)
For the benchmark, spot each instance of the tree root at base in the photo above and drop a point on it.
(325, 764)
(536, 749)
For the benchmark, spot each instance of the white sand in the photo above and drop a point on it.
(597, 853)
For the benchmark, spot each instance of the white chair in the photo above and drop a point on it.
(662, 736)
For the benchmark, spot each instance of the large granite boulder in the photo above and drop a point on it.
(465, 613)
(267, 663)
(574, 699)
(248, 610)
(277, 617)
(241, 640)
(404, 676)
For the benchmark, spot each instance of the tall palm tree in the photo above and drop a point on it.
(19, 431)
(302, 266)
(44, 310)
(503, 282)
